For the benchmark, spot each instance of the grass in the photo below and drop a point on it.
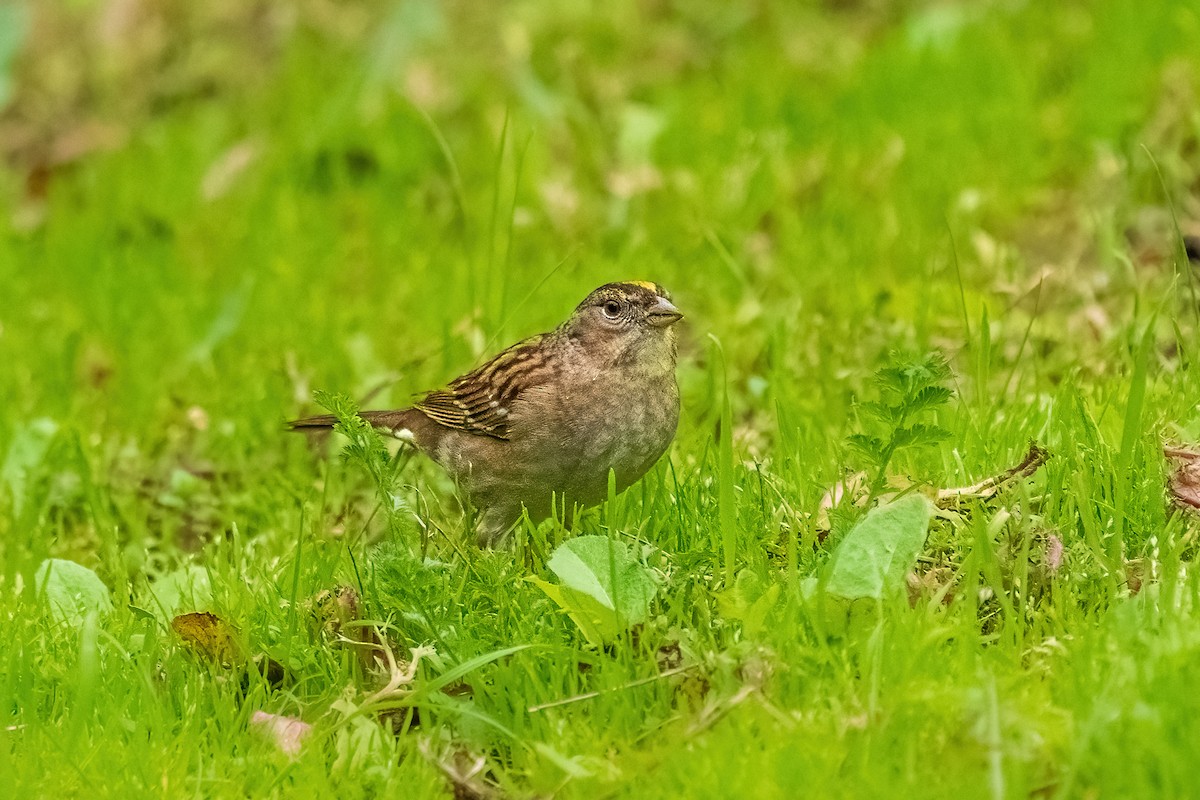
(828, 189)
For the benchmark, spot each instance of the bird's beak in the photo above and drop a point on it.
(664, 313)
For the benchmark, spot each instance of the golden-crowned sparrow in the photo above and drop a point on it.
(541, 425)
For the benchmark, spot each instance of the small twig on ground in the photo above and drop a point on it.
(398, 677)
(590, 695)
(1034, 459)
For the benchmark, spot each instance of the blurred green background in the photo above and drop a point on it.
(208, 210)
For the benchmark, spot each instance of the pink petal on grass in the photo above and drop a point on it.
(288, 733)
(1054, 553)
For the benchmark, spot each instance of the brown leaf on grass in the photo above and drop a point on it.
(633, 181)
(1135, 575)
(689, 679)
(42, 155)
(288, 733)
(937, 582)
(198, 418)
(210, 637)
(669, 656)
(465, 771)
(216, 641)
(79, 141)
(338, 612)
(272, 670)
(1184, 483)
(853, 488)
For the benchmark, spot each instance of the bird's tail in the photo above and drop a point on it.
(389, 421)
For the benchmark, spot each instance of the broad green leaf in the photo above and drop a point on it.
(72, 591)
(184, 588)
(873, 558)
(14, 26)
(360, 748)
(606, 571)
(640, 128)
(225, 324)
(603, 588)
(937, 27)
(750, 600)
(597, 623)
(29, 445)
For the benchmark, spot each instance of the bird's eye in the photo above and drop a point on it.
(612, 309)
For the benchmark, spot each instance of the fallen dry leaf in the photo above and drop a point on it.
(210, 636)
(1184, 484)
(338, 612)
(937, 582)
(1135, 575)
(198, 418)
(853, 487)
(215, 640)
(288, 733)
(669, 656)
(633, 181)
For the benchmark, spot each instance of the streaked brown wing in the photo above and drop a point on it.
(480, 401)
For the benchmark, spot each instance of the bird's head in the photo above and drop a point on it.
(628, 322)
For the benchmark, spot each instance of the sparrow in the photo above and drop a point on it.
(539, 427)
